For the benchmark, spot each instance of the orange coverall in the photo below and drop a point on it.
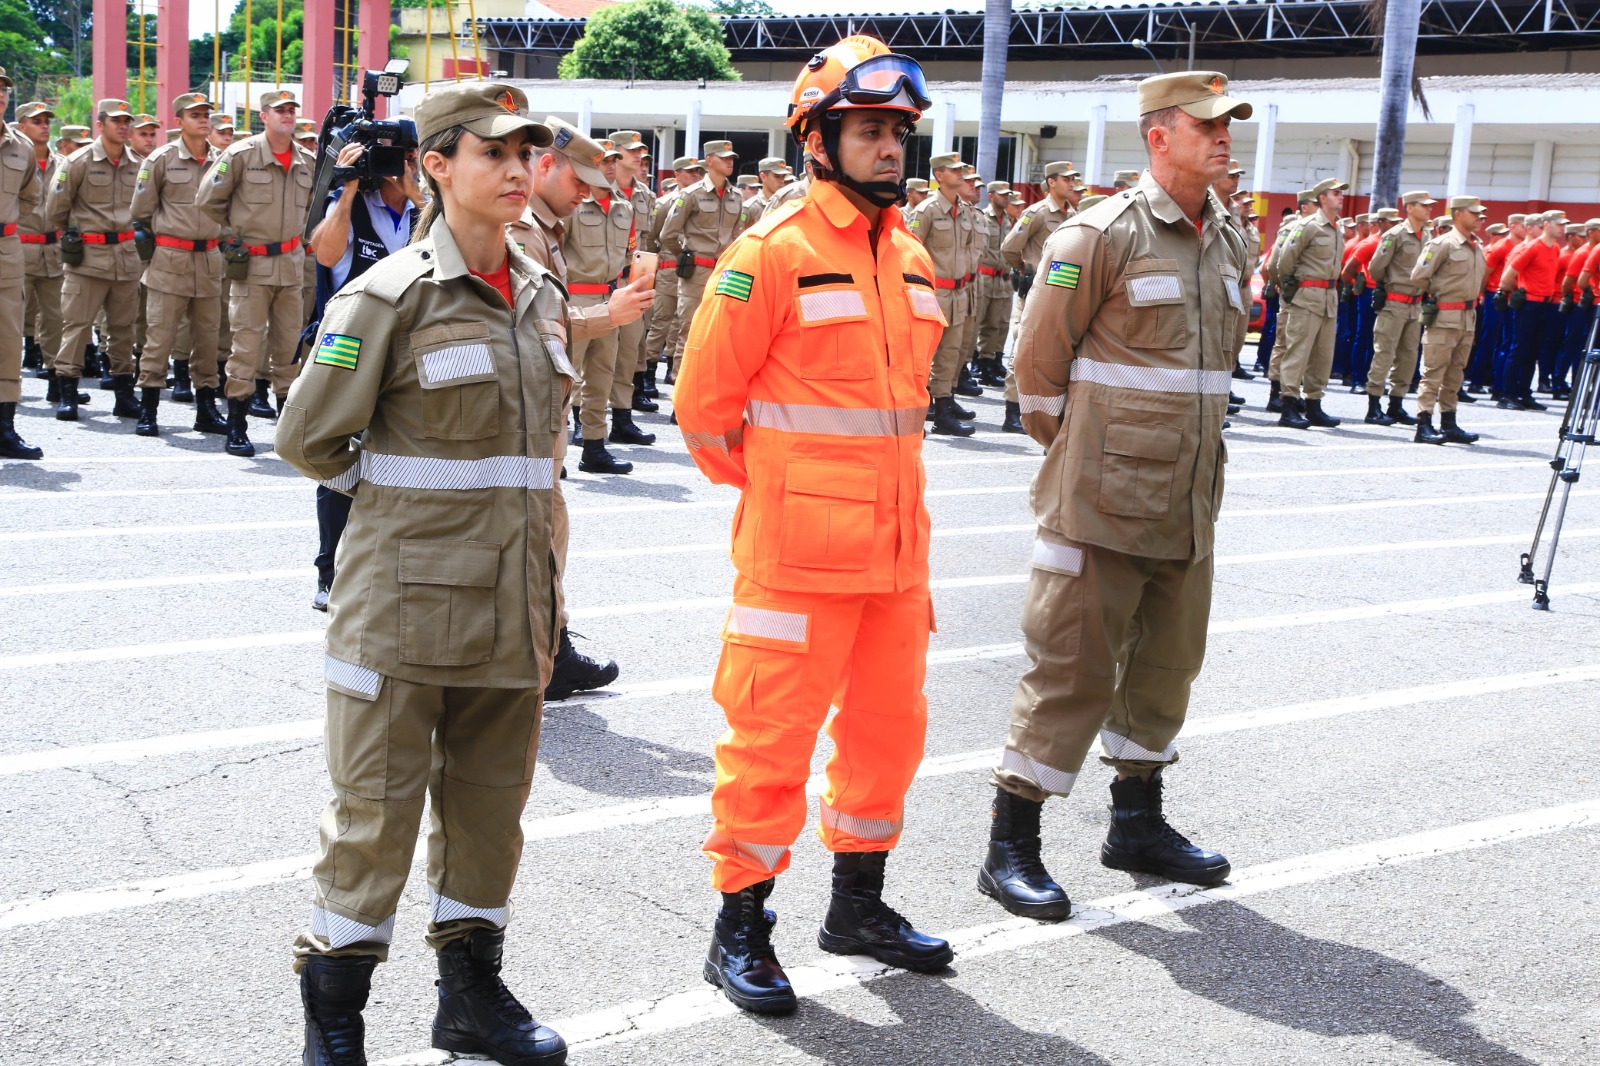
(804, 383)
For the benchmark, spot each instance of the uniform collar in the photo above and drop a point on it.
(843, 214)
(543, 217)
(449, 264)
(1167, 210)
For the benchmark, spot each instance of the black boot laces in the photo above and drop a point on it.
(494, 991)
(1026, 857)
(1157, 821)
(757, 924)
(338, 1036)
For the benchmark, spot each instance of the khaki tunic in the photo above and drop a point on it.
(703, 223)
(20, 193)
(41, 286)
(1025, 243)
(596, 248)
(168, 187)
(661, 337)
(43, 260)
(1397, 329)
(795, 190)
(949, 230)
(630, 343)
(1315, 251)
(92, 194)
(1452, 268)
(246, 190)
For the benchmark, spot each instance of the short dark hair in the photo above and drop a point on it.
(1166, 117)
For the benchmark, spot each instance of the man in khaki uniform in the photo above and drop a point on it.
(1397, 328)
(1023, 245)
(703, 221)
(72, 139)
(1451, 270)
(41, 252)
(967, 383)
(631, 390)
(916, 192)
(947, 226)
(21, 189)
(1309, 264)
(1124, 179)
(222, 132)
(994, 291)
(773, 174)
(92, 196)
(1227, 191)
(184, 277)
(260, 188)
(661, 339)
(1123, 360)
(1306, 203)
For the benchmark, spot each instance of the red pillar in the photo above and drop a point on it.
(317, 66)
(372, 47)
(172, 57)
(109, 50)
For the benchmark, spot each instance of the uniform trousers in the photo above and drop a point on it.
(661, 337)
(1115, 642)
(994, 318)
(1395, 336)
(1280, 342)
(786, 656)
(1480, 370)
(1269, 333)
(1011, 335)
(1535, 324)
(168, 314)
(82, 299)
(1344, 341)
(225, 326)
(1446, 350)
(1308, 355)
(41, 312)
(1574, 343)
(11, 300)
(629, 361)
(596, 360)
(691, 291)
(1505, 353)
(1361, 354)
(468, 751)
(333, 514)
(954, 344)
(266, 321)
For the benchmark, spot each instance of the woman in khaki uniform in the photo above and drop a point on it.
(437, 396)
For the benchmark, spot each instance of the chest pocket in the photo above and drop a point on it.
(589, 229)
(1156, 314)
(1230, 289)
(96, 186)
(552, 334)
(836, 337)
(460, 385)
(13, 170)
(257, 187)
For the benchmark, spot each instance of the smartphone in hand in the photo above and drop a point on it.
(644, 263)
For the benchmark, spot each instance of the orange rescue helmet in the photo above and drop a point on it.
(859, 71)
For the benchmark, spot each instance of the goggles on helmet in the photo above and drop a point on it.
(881, 79)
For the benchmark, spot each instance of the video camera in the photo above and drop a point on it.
(386, 141)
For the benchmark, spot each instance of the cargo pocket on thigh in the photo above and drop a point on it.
(447, 601)
(828, 515)
(1137, 468)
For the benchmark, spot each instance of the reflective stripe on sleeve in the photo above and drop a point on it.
(347, 481)
(718, 442)
(836, 421)
(763, 622)
(495, 472)
(1152, 379)
(1049, 405)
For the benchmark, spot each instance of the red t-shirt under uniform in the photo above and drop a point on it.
(1536, 266)
(500, 279)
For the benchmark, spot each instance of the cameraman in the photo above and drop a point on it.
(367, 220)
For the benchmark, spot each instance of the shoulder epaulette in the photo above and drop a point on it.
(1101, 215)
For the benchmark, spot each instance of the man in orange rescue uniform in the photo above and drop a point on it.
(804, 383)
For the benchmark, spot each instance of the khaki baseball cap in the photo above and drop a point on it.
(1061, 168)
(772, 164)
(1591, 223)
(627, 140)
(222, 122)
(76, 134)
(113, 109)
(141, 121)
(1327, 185)
(278, 98)
(1467, 203)
(1201, 93)
(1574, 229)
(669, 184)
(1417, 196)
(917, 184)
(1499, 229)
(999, 188)
(304, 125)
(188, 102)
(1305, 196)
(4, 77)
(173, 135)
(1234, 168)
(584, 153)
(720, 149)
(1386, 214)
(685, 162)
(489, 109)
(1089, 201)
(1348, 223)
(747, 181)
(1129, 176)
(33, 109)
(947, 161)
(1363, 218)
(1553, 216)
(1512, 220)
(610, 149)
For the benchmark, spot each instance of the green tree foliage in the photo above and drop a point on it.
(75, 106)
(30, 58)
(652, 40)
(757, 9)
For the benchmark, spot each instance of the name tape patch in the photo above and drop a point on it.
(735, 284)
(339, 350)
(1063, 275)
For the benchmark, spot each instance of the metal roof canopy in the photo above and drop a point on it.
(1240, 29)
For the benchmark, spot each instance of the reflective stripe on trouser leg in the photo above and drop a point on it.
(882, 722)
(1078, 628)
(596, 359)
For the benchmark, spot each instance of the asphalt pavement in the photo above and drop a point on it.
(1397, 754)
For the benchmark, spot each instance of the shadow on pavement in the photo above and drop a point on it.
(576, 746)
(1247, 963)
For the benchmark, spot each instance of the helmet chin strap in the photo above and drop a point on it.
(876, 193)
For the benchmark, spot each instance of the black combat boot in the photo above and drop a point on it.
(1241, 374)
(641, 396)
(207, 419)
(182, 387)
(239, 429)
(576, 672)
(127, 401)
(1398, 412)
(108, 380)
(597, 460)
(623, 431)
(333, 990)
(52, 388)
(1426, 434)
(479, 1015)
(1275, 398)
(961, 412)
(260, 402)
(91, 361)
(1314, 414)
(965, 385)
(1452, 432)
(1465, 397)
(1289, 414)
(279, 401)
(994, 371)
(1012, 872)
(66, 399)
(1375, 415)
(576, 440)
(650, 388)
(741, 961)
(946, 421)
(149, 404)
(11, 445)
(1013, 419)
(32, 355)
(671, 376)
(858, 922)
(1141, 840)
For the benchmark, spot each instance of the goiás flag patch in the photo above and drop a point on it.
(1064, 275)
(339, 350)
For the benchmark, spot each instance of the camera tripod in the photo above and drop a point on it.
(1578, 430)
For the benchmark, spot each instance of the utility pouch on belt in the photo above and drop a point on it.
(1430, 310)
(1501, 301)
(1380, 296)
(71, 247)
(1291, 285)
(1269, 291)
(1517, 299)
(1587, 300)
(144, 242)
(1565, 307)
(236, 260)
(685, 267)
(1024, 282)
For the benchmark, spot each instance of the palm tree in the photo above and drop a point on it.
(1399, 18)
(996, 38)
